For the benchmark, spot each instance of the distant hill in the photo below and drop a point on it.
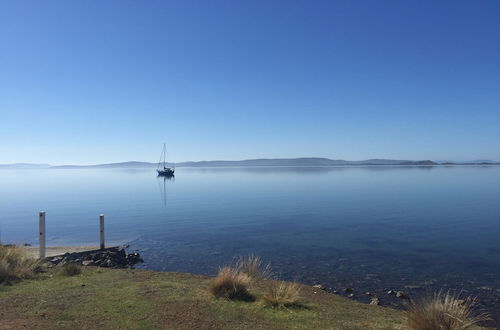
(311, 161)
(24, 165)
(469, 162)
(131, 164)
(305, 161)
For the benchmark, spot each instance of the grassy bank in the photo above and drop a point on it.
(139, 299)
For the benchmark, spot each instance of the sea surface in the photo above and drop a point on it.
(379, 228)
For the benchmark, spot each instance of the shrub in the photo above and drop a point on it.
(71, 269)
(15, 264)
(253, 267)
(444, 311)
(282, 294)
(230, 284)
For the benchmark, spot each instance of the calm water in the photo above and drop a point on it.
(371, 228)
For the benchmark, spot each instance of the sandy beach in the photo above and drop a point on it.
(51, 251)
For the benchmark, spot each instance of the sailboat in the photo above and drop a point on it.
(165, 171)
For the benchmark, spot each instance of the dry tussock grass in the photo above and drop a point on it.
(253, 267)
(444, 311)
(282, 295)
(230, 283)
(15, 264)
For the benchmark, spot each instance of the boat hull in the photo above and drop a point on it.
(166, 172)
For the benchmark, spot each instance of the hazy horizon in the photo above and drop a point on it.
(243, 160)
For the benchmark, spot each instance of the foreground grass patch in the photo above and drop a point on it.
(137, 299)
(15, 264)
(70, 269)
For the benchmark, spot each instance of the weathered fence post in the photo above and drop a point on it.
(41, 238)
(101, 232)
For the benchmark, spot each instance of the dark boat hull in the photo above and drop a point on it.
(166, 172)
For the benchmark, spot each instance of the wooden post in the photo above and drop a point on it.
(101, 232)
(41, 238)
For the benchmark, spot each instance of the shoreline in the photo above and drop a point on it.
(52, 251)
(396, 297)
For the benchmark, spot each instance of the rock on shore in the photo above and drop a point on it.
(114, 257)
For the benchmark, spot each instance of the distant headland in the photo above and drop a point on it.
(267, 162)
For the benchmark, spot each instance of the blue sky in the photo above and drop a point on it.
(102, 81)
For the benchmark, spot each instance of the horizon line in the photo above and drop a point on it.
(248, 159)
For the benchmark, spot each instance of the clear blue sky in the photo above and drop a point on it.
(102, 81)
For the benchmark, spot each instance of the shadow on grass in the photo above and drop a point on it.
(300, 306)
(297, 306)
(240, 296)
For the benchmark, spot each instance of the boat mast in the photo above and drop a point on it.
(164, 154)
(159, 161)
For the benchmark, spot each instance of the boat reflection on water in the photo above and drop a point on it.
(162, 181)
(166, 177)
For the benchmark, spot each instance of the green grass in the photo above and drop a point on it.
(138, 299)
(70, 269)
